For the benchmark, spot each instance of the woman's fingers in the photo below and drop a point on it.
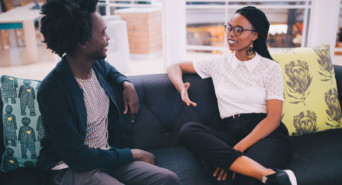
(185, 96)
(220, 174)
(216, 171)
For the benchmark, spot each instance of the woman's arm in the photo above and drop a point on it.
(274, 108)
(175, 73)
(265, 127)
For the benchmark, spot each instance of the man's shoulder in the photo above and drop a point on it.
(54, 78)
(100, 65)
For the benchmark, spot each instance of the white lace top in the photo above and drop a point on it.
(242, 86)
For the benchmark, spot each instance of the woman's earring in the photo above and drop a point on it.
(250, 52)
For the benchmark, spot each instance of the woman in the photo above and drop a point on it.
(249, 90)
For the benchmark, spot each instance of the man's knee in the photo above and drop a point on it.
(168, 177)
(95, 176)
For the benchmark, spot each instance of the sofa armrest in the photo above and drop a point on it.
(2, 146)
(338, 75)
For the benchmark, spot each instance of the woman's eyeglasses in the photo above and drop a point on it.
(237, 30)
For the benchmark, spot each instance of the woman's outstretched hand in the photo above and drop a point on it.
(185, 96)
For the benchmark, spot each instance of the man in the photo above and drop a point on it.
(78, 108)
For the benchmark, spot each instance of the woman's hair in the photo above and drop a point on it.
(66, 23)
(259, 21)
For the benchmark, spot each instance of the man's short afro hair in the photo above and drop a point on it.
(66, 23)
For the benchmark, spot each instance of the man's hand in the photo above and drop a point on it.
(141, 155)
(220, 174)
(185, 96)
(130, 99)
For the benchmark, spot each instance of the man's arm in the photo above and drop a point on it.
(113, 75)
(62, 129)
(130, 97)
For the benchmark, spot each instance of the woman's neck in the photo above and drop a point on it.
(241, 55)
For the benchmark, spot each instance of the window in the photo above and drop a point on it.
(206, 19)
(338, 46)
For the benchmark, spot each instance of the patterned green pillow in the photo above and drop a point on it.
(22, 125)
(310, 94)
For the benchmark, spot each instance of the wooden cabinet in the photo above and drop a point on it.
(144, 29)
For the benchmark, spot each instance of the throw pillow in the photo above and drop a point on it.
(310, 93)
(22, 126)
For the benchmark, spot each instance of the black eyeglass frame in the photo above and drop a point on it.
(233, 29)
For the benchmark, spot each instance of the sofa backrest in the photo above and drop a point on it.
(338, 75)
(162, 111)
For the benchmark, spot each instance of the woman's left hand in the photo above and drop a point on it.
(220, 173)
(130, 99)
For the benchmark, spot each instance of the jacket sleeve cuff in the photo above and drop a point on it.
(126, 155)
(122, 79)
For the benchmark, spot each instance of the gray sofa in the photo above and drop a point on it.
(316, 160)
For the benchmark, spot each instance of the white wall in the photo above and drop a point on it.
(324, 23)
(174, 31)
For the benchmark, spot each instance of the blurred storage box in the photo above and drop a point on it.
(144, 29)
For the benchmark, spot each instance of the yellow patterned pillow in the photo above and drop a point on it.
(310, 94)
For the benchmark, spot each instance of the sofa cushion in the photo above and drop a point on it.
(162, 112)
(22, 129)
(310, 94)
(183, 163)
(316, 158)
(22, 176)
